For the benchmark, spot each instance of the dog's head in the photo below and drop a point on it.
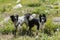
(14, 18)
(42, 18)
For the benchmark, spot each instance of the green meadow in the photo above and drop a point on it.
(49, 7)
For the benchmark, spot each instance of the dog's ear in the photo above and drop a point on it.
(40, 17)
(12, 18)
(17, 16)
(44, 17)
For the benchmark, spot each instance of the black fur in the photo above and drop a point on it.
(27, 16)
(33, 22)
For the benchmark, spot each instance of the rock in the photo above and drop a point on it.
(17, 6)
(50, 6)
(57, 3)
(56, 20)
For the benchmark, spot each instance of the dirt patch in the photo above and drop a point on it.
(6, 37)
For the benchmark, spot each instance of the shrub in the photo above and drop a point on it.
(34, 4)
(8, 28)
(50, 28)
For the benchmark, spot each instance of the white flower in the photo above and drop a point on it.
(57, 29)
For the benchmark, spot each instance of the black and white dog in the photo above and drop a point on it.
(18, 21)
(14, 19)
(42, 19)
(35, 21)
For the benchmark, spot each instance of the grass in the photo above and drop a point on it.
(29, 6)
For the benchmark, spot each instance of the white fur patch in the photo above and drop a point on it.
(32, 16)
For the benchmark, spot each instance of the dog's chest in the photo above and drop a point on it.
(20, 20)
